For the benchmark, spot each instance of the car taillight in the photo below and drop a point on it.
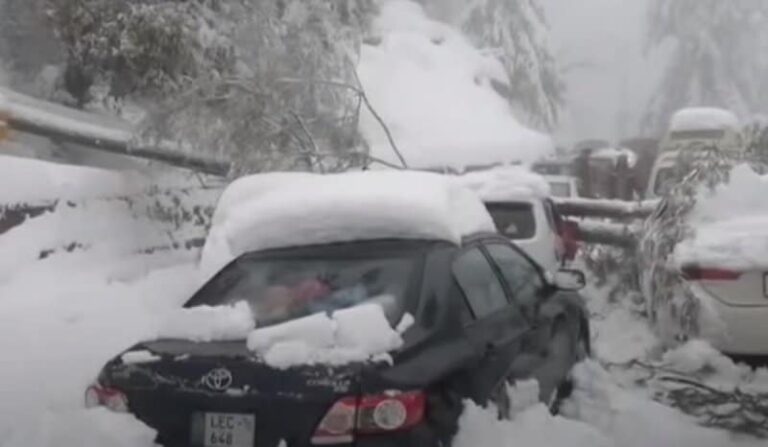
(369, 414)
(113, 399)
(696, 273)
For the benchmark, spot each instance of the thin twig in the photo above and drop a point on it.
(378, 118)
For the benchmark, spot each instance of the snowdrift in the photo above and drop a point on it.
(434, 91)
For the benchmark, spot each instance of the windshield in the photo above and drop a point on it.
(560, 189)
(281, 289)
(513, 220)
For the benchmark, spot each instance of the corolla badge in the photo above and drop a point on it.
(218, 379)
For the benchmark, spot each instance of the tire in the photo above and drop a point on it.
(500, 398)
(554, 374)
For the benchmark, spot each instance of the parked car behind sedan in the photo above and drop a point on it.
(478, 311)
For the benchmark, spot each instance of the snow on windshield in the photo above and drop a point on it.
(433, 89)
(288, 210)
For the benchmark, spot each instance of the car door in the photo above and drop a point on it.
(497, 325)
(525, 283)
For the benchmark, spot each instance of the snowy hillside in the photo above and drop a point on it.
(433, 89)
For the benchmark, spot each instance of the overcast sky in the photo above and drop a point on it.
(600, 45)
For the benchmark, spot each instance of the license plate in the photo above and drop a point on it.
(229, 430)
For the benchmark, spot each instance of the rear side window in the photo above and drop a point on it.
(522, 277)
(479, 283)
(513, 220)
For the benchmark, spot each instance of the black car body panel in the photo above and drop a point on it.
(448, 343)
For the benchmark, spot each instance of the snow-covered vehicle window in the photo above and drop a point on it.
(560, 189)
(284, 288)
(513, 220)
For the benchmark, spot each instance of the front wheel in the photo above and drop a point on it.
(554, 375)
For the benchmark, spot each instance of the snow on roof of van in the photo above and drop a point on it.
(612, 153)
(703, 118)
(279, 210)
(506, 184)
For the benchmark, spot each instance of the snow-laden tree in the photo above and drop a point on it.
(267, 84)
(516, 32)
(717, 56)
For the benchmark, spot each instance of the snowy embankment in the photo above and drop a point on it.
(435, 92)
(76, 287)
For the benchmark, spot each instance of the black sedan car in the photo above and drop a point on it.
(484, 316)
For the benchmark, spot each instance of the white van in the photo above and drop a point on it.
(519, 203)
(690, 130)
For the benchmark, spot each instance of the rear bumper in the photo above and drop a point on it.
(746, 327)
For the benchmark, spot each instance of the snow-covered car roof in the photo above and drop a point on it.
(512, 183)
(703, 118)
(279, 210)
(730, 224)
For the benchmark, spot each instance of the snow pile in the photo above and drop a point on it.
(284, 210)
(480, 427)
(703, 118)
(350, 335)
(206, 323)
(27, 180)
(730, 225)
(71, 311)
(434, 91)
(82, 428)
(506, 183)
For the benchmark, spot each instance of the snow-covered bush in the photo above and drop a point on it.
(676, 312)
(269, 85)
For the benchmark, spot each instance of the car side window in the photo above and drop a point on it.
(522, 277)
(479, 282)
(549, 212)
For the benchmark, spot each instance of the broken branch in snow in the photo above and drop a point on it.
(734, 410)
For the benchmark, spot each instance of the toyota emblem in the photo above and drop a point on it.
(218, 379)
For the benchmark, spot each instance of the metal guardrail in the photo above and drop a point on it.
(25, 114)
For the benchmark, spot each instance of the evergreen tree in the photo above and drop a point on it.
(717, 56)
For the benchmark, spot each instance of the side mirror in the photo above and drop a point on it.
(570, 280)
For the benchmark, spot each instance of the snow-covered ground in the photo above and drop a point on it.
(63, 316)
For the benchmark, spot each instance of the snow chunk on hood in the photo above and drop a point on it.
(703, 118)
(506, 184)
(206, 323)
(730, 224)
(434, 90)
(350, 335)
(268, 211)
